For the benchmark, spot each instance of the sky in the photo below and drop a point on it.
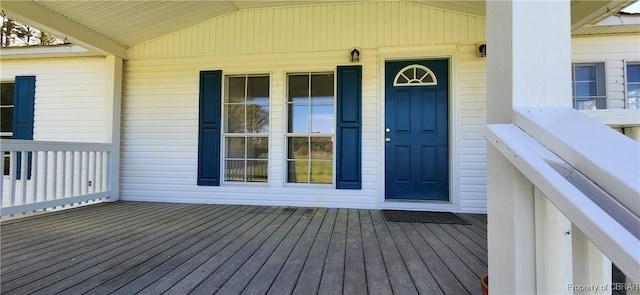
(633, 8)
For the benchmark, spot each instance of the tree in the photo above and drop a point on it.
(14, 33)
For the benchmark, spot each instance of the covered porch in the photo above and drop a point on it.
(543, 235)
(154, 248)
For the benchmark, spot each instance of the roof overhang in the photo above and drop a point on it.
(64, 50)
(109, 27)
(44, 19)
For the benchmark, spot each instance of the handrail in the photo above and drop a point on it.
(46, 174)
(587, 170)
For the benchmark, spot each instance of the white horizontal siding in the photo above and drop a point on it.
(614, 51)
(472, 106)
(69, 98)
(158, 166)
(160, 96)
(317, 27)
(160, 124)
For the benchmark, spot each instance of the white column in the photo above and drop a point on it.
(113, 102)
(529, 57)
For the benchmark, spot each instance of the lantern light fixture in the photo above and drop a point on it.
(355, 55)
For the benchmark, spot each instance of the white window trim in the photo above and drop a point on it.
(224, 135)
(600, 82)
(626, 81)
(420, 82)
(287, 135)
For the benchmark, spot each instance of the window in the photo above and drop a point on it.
(310, 110)
(6, 113)
(633, 86)
(588, 86)
(415, 75)
(246, 128)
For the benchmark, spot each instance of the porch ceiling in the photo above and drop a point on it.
(120, 24)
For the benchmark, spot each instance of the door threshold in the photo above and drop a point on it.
(419, 205)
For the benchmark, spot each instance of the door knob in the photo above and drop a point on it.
(387, 139)
(387, 130)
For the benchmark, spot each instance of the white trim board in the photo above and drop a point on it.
(422, 52)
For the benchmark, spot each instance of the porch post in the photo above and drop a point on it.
(113, 101)
(529, 56)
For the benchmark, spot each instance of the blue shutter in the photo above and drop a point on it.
(349, 128)
(23, 106)
(209, 128)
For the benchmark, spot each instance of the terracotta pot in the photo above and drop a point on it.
(484, 282)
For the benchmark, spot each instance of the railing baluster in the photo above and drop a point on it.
(34, 177)
(72, 172)
(13, 156)
(64, 176)
(24, 173)
(45, 176)
(590, 266)
(54, 181)
(85, 183)
(94, 171)
(78, 184)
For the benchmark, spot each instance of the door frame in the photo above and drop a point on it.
(417, 53)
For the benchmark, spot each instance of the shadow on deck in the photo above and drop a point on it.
(153, 248)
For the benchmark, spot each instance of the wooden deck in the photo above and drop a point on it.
(153, 248)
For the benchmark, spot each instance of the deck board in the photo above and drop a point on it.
(154, 248)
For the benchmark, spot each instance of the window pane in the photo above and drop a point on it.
(633, 89)
(258, 90)
(633, 73)
(234, 170)
(322, 88)
(236, 89)
(298, 147)
(235, 118)
(6, 97)
(633, 96)
(585, 73)
(321, 148)
(589, 104)
(6, 124)
(257, 118)
(235, 147)
(298, 88)
(298, 118)
(257, 171)
(586, 89)
(298, 171)
(257, 148)
(321, 172)
(322, 118)
(7, 163)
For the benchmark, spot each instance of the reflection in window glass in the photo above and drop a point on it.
(310, 128)
(246, 129)
(633, 86)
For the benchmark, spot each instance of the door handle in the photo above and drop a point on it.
(387, 139)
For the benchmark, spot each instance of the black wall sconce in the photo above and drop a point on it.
(481, 50)
(355, 55)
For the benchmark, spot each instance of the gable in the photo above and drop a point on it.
(318, 27)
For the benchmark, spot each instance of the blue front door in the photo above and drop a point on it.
(416, 130)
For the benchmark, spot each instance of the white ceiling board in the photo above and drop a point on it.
(473, 7)
(132, 22)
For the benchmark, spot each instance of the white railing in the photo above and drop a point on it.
(577, 205)
(42, 175)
